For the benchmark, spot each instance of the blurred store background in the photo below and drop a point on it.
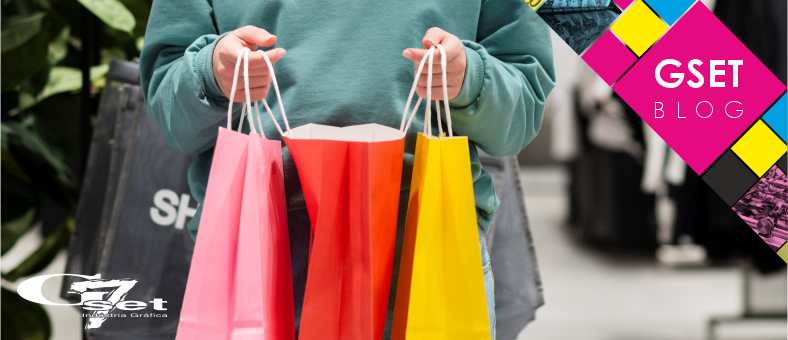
(630, 243)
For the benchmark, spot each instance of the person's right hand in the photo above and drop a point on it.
(225, 55)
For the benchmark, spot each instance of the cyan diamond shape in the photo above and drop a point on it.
(670, 10)
(777, 118)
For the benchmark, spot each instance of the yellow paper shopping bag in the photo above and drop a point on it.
(440, 289)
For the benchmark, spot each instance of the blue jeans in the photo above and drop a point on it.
(299, 226)
(489, 284)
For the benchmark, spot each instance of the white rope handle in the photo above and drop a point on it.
(259, 121)
(247, 91)
(428, 109)
(428, 114)
(244, 53)
(234, 87)
(278, 98)
(445, 94)
(403, 127)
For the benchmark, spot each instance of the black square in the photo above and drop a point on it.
(782, 164)
(730, 178)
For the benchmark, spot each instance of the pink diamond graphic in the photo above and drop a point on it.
(712, 88)
(623, 3)
(609, 57)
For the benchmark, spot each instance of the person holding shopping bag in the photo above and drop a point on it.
(344, 63)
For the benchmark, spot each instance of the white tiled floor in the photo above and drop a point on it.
(594, 297)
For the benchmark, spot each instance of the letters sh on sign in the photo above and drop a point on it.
(169, 208)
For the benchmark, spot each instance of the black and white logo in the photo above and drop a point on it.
(101, 298)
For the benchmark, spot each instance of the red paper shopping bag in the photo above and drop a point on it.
(352, 193)
(351, 182)
(240, 281)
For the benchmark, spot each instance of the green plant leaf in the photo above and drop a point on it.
(58, 47)
(75, 43)
(33, 142)
(71, 12)
(24, 61)
(44, 162)
(22, 319)
(107, 54)
(140, 41)
(26, 101)
(15, 206)
(58, 122)
(43, 4)
(99, 71)
(18, 30)
(36, 83)
(61, 79)
(98, 75)
(10, 164)
(113, 13)
(4, 139)
(10, 232)
(41, 258)
(141, 11)
(18, 197)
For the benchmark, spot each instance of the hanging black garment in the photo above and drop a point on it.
(761, 26)
(607, 206)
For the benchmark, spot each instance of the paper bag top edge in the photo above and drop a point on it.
(355, 133)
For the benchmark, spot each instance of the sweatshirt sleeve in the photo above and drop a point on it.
(508, 76)
(176, 73)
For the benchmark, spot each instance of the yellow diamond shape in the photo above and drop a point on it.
(639, 27)
(783, 252)
(759, 148)
(534, 3)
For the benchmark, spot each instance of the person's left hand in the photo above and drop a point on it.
(455, 63)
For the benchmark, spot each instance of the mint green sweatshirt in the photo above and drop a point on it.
(344, 66)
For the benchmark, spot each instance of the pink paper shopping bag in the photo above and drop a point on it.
(240, 281)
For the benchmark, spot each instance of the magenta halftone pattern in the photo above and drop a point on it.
(765, 208)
